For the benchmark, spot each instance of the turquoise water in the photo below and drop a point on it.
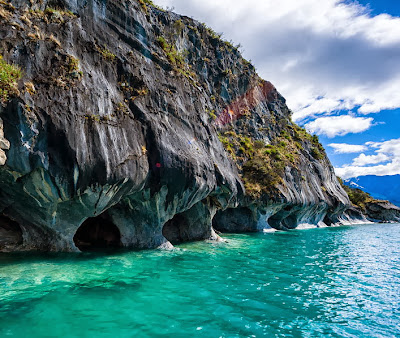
(323, 282)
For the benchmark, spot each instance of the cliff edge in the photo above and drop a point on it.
(129, 126)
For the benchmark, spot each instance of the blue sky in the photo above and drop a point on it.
(377, 7)
(337, 62)
(387, 127)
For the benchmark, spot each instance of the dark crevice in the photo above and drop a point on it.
(328, 221)
(153, 152)
(10, 232)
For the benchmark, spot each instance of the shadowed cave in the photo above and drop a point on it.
(283, 220)
(235, 220)
(10, 232)
(97, 233)
(176, 229)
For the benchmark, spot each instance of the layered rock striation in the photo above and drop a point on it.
(136, 127)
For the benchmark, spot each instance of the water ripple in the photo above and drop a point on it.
(332, 282)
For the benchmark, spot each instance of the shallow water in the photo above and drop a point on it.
(327, 282)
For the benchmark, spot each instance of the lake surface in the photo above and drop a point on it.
(330, 282)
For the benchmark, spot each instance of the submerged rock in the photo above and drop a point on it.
(135, 126)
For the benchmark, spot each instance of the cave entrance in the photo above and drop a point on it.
(284, 220)
(10, 232)
(97, 233)
(235, 220)
(328, 221)
(176, 229)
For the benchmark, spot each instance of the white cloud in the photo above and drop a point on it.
(385, 151)
(391, 147)
(332, 126)
(391, 168)
(344, 148)
(363, 159)
(323, 56)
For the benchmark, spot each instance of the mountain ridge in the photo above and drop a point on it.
(380, 187)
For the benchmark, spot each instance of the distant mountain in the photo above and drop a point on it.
(380, 187)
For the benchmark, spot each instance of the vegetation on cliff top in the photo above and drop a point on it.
(357, 197)
(145, 3)
(262, 165)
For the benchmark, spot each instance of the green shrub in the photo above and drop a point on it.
(282, 144)
(316, 153)
(63, 13)
(212, 116)
(145, 3)
(315, 139)
(290, 157)
(73, 64)
(174, 57)
(177, 59)
(261, 175)
(259, 144)
(301, 135)
(299, 146)
(179, 25)
(285, 134)
(163, 43)
(107, 54)
(262, 165)
(9, 76)
(212, 32)
(357, 197)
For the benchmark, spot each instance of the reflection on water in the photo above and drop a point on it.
(320, 282)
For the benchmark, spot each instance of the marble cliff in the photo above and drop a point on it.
(131, 126)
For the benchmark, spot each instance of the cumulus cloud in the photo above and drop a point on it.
(332, 126)
(388, 151)
(369, 159)
(323, 56)
(391, 147)
(344, 148)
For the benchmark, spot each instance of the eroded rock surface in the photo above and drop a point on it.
(146, 121)
(382, 211)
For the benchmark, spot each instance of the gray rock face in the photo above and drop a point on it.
(382, 211)
(4, 145)
(117, 145)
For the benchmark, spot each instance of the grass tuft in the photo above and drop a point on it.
(9, 76)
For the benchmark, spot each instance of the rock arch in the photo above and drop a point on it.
(240, 219)
(98, 233)
(286, 218)
(194, 224)
(176, 230)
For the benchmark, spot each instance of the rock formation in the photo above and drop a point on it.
(370, 208)
(382, 211)
(131, 126)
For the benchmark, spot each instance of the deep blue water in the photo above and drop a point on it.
(331, 282)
